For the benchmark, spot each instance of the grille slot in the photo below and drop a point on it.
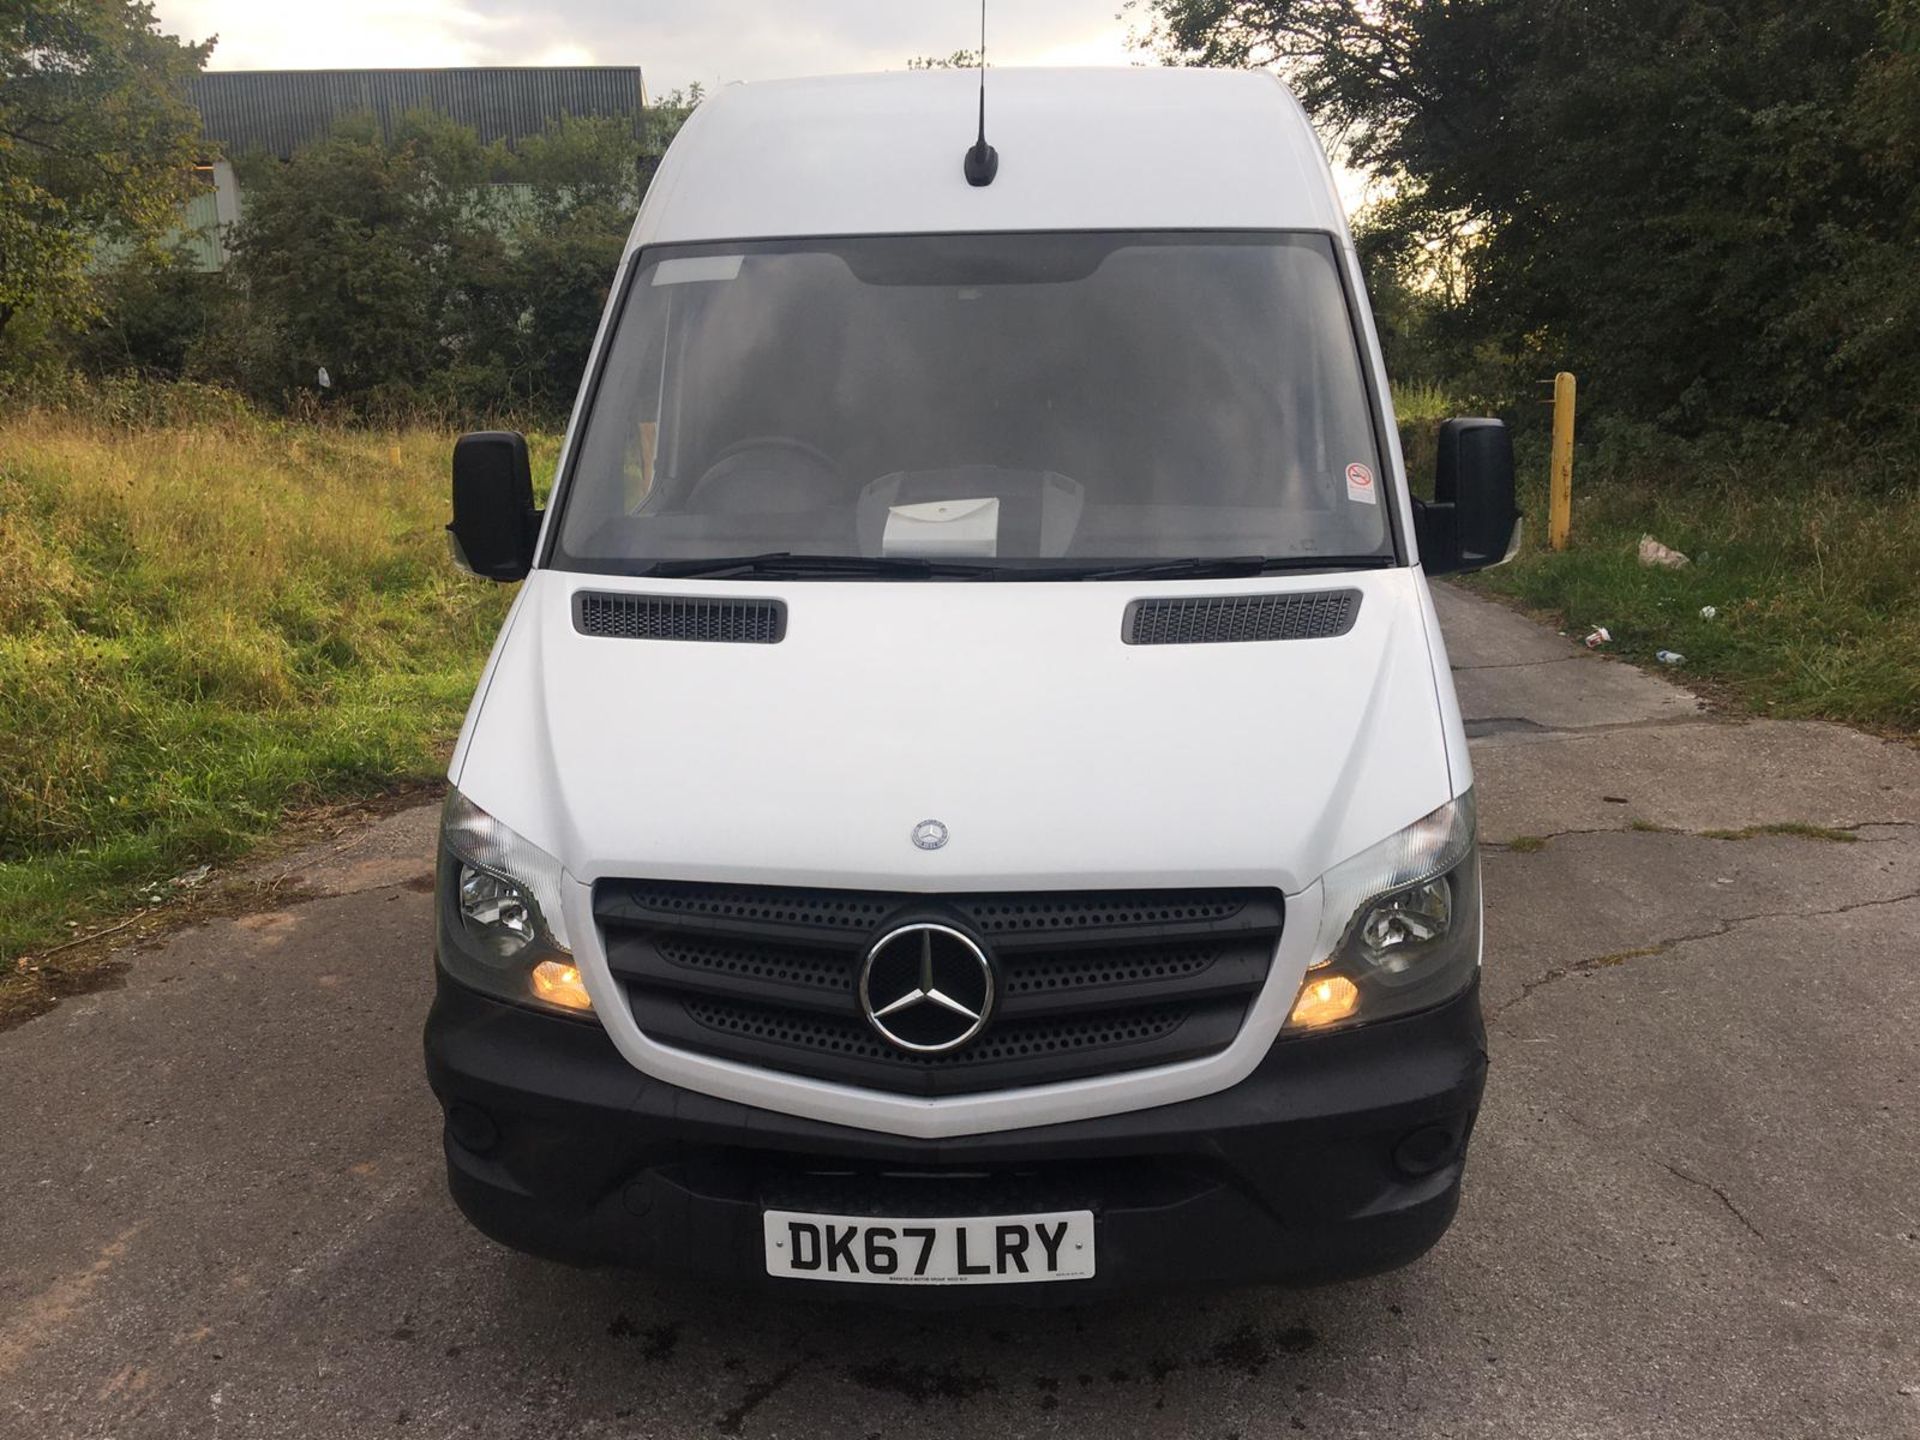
(1222, 619)
(679, 617)
(1010, 1041)
(775, 966)
(1070, 972)
(1089, 983)
(1017, 914)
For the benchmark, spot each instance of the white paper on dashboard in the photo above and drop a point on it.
(966, 528)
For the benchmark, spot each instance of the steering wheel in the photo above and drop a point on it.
(758, 474)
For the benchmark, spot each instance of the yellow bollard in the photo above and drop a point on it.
(1560, 506)
(393, 456)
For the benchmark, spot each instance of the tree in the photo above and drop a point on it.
(661, 123)
(97, 142)
(561, 277)
(958, 60)
(1651, 192)
(586, 179)
(1863, 314)
(355, 247)
(581, 163)
(153, 312)
(434, 269)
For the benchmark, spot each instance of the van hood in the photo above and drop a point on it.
(1055, 754)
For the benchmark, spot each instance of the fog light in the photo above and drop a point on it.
(472, 1128)
(1426, 1150)
(559, 983)
(1323, 1001)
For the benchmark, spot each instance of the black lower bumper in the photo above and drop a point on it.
(1341, 1155)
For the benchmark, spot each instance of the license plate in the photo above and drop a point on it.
(990, 1250)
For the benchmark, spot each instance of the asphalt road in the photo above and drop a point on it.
(1693, 1207)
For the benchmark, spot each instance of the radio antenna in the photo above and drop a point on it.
(983, 161)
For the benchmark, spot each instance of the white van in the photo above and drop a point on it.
(970, 791)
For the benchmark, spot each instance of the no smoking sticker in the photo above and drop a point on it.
(1360, 484)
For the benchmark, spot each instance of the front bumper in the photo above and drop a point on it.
(1341, 1155)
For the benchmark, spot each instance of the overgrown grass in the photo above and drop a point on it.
(205, 621)
(1420, 409)
(1810, 560)
(1808, 551)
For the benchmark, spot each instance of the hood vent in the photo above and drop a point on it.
(1216, 619)
(680, 617)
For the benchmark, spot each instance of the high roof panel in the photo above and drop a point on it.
(1140, 148)
(278, 111)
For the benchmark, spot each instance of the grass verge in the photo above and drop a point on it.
(1810, 561)
(209, 622)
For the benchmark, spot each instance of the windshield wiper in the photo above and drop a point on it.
(913, 567)
(787, 562)
(1204, 567)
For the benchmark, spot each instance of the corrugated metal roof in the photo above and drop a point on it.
(278, 111)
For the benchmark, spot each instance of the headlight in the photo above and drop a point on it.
(503, 928)
(1399, 925)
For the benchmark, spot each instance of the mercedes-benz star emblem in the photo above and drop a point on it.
(926, 988)
(929, 834)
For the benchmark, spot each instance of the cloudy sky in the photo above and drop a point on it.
(674, 41)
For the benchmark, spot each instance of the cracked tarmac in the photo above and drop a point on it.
(1693, 1206)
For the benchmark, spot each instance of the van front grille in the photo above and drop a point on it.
(1087, 983)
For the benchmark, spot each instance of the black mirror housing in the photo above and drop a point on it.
(495, 524)
(1472, 521)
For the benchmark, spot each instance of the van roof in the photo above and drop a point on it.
(1145, 148)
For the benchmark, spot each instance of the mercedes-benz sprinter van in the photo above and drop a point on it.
(970, 792)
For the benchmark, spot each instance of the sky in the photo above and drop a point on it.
(675, 42)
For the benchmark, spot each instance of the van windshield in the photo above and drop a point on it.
(1014, 405)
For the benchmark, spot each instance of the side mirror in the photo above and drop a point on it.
(1472, 521)
(495, 523)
